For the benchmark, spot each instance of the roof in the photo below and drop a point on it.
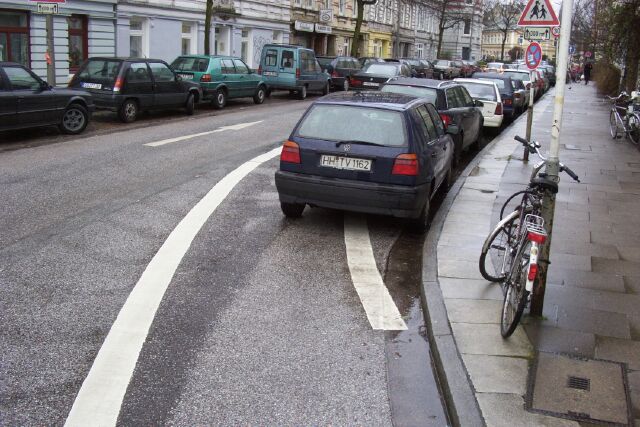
(500, 76)
(477, 81)
(209, 56)
(376, 99)
(412, 81)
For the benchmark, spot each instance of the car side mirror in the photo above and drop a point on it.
(478, 103)
(44, 85)
(453, 129)
(178, 78)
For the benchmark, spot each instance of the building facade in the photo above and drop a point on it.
(463, 40)
(81, 28)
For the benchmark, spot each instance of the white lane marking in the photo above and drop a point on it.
(239, 126)
(376, 300)
(99, 400)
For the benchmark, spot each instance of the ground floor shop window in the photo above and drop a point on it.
(188, 38)
(377, 48)
(78, 41)
(14, 37)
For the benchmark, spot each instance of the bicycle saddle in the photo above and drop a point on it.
(544, 184)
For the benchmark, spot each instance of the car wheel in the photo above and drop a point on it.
(345, 85)
(421, 223)
(260, 95)
(190, 106)
(128, 111)
(292, 210)
(74, 120)
(219, 99)
(302, 92)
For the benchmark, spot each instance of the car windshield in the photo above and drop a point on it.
(480, 91)
(353, 123)
(383, 69)
(442, 63)
(100, 70)
(188, 63)
(421, 92)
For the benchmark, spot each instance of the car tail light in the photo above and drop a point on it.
(335, 74)
(536, 237)
(355, 82)
(533, 271)
(297, 73)
(508, 102)
(118, 85)
(260, 70)
(446, 119)
(405, 164)
(205, 78)
(498, 111)
(290, 152)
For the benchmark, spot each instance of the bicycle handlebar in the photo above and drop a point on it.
(534, 148)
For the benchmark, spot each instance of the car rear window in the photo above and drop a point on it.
(383, 69)
(353, 123)
(480, 91)
(324, 61)
(422, 92)
(500, 83)
(442, 63)
(518, 76)
(100, 71)
(185, 63)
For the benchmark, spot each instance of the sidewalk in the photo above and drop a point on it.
(592, 304)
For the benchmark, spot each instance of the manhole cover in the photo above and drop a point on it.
(579, 389)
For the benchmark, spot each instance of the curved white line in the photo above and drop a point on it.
(381, 311)
(99, 400)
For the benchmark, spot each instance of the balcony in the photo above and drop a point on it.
(224, 6)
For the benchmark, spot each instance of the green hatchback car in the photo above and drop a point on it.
(221, 78)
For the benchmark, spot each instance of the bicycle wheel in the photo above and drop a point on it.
(515, 297)
(634, 128)
(613, 124)
(496, 254)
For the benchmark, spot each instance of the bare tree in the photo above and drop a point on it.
(356, 32)
(448, 13)
(502, 15)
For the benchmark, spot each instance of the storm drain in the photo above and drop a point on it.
(579, 389)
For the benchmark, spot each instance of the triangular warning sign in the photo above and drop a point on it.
(538, 13)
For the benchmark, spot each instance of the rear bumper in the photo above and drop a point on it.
(357, 196)
(493, 121)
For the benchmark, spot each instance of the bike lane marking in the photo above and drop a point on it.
(381, 311)
(238, 126)
(100, 397)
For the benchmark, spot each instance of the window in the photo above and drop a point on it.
(377, 48)
(452, 99)
(287, 59)
(419, 50)
(463, 95)
(14, 37)
(307, 61)
(426, 123)
(188, 38)
(271, 58)
(342, 7)
(428, 93)
(241, 67)
(437, 120)
(21, 79)
(354, 8)
(78, 41)
(467, 26)
(137, 38)
(244, 46)
(277, 37)
(138, 73)
(226, 65)
(161, 73)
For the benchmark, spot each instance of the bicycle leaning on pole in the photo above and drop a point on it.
(624, 116)
(510, 252)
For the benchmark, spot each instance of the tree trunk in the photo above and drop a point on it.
(441, 25)
(207, 27)
(504, 41)
(633, 54)
(356, 32)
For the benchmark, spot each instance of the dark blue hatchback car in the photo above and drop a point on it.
(371, 152)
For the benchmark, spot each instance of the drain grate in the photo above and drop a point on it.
(579, 389)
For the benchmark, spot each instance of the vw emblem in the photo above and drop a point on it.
(347, 147)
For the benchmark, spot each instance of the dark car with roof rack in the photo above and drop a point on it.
(340, 68)
(384, 153)
(131, 85)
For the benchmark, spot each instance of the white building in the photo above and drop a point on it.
(464, 40)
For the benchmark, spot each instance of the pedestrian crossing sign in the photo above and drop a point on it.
(538, 13)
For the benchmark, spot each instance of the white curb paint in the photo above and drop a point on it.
(376, 300)
(239, 126)
(99, 400)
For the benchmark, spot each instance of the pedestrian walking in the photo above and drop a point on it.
(587, 72)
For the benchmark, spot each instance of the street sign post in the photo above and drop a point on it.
(537, 33)
(538, 13)
(533, 55)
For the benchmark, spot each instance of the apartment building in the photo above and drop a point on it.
(464, 38)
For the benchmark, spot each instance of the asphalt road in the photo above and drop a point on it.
(259, 325)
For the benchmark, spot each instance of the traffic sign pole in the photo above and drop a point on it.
(553, 164)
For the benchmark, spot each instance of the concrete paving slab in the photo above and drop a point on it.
(577, 262)
(470, 289)
(551, 339)
(497, 374)
(619, 350)
(585, 249)
(629, 253)
(507, 410)
(597, 322)
(473, 311)
(486, 339)
(624, 268)
(458, 268)
(585, 279)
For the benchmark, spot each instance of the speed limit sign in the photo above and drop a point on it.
(555, 31)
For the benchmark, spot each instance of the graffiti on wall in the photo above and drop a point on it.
(258, 44)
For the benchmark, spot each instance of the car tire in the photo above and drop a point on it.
(292, 210)
(74, 120)
(302, 93)
(261, 94)
(219, 99)
(345, 85)
(190, 106)
(128, 112)
(421, 223)
(326, 89)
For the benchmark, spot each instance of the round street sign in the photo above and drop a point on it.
(587, 54)
(533, 55)
(555, 31)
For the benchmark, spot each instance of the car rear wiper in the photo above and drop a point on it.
(355, 141)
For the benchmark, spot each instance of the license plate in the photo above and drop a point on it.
(91, 85)
(269, 73)
(186, 76)
(347, 163)
(372, 84)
